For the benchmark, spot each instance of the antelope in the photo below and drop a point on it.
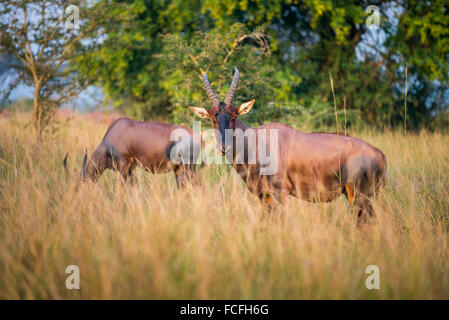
(316, 167)
(154, 146)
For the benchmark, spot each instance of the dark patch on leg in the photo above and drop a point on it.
(267, 200)
(131, 173)
(169, 148)
(180, 181)
(364, 209)
(112, 154)
(180, 176)
(126, 168)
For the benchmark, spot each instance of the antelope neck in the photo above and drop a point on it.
(240, 125)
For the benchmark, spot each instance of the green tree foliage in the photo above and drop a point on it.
(420, 41)
(145, 58)
(217, 52)
(123, 54)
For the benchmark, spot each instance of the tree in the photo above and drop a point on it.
(126, 63)
(420, 41)
(43, 40)
(217, 53)
(308, 40)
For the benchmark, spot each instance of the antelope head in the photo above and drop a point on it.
(222, 114)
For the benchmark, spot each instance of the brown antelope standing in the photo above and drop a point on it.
(311, 166)
(154, 146)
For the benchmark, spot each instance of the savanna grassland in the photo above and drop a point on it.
(213, 241)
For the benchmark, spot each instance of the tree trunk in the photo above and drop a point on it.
(37, 111)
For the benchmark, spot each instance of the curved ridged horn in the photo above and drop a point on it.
(64, 162)
(210, 93)
(83, 166)
(232, 88)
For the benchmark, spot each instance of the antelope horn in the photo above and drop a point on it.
(83, 166)
(64, 162)
(210, 93)
(232, 88)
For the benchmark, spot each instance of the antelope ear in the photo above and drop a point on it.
(245, 107)
(200, 112)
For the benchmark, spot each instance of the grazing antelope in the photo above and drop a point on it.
(154, 146)
(316, 167)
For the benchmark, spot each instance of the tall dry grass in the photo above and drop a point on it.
(154, 242)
